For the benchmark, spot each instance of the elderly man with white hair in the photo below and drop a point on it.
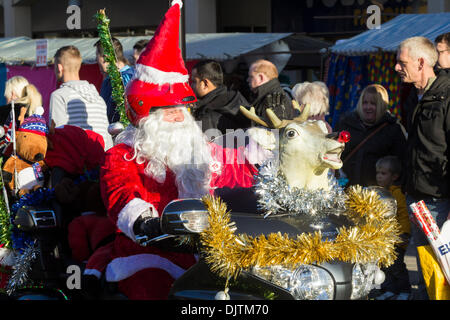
(428, 147)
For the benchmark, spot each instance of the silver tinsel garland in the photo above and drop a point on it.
(22, 266)
(276, 196)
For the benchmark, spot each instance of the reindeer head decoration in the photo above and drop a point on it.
(307, 151)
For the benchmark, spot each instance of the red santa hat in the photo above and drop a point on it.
(161, 78)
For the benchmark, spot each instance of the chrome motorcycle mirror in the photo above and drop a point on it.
(184, 216)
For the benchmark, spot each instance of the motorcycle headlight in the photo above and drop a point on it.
(364, 277)
(307, 282)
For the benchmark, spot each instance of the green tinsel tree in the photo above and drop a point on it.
(5, 220)
(118, 91)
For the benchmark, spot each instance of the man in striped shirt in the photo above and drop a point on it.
(77, 102)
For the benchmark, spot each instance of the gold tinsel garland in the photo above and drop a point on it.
(371, 239)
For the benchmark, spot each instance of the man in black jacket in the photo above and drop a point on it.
(442, 67)
(428, 146)
(267, 91)
(217, 106)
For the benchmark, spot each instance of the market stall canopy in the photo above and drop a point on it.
(218, 46)
(393, 32)
(226, 46)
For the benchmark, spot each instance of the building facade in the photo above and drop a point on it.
(327, 19)
(319, 20)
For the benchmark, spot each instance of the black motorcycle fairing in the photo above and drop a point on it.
(239, 199)
(199, 283)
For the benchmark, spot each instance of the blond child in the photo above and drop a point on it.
(397, 285)
(32, 99)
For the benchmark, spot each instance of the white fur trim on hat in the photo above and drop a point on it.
(39, 110)
(124, 267)
(153, 75)
(180, 2)
(129, 214)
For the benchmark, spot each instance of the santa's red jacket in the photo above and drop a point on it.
(148, 272)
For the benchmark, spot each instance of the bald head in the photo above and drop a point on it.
(260, 72)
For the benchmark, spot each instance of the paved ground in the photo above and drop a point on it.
(411, 264)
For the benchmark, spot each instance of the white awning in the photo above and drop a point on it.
(393, 32)
(218, 46)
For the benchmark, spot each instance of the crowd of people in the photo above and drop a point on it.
(164, 154)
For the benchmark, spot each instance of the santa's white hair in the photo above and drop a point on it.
(180, 146)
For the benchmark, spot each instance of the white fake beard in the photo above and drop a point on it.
(180, 146)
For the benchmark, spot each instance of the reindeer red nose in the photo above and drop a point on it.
(344, 136)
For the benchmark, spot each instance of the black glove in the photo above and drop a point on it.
(92, 286)
(274, 101)
(147, 226)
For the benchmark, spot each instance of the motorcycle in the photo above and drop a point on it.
(45, 273)
(335, 280)
(39, 223)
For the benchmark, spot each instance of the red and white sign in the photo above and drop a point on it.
(439, 239)
(41, 52)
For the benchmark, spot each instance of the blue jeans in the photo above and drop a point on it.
(439, 209)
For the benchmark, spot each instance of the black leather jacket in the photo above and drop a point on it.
(266, 96)
(427, 164)
(220, 109)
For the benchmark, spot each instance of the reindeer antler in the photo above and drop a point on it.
(304, 114)
(276, 122)
(252, 116)
(296, 105)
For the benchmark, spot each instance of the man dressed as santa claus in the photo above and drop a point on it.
(163, 156)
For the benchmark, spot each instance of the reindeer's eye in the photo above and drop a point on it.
(291, 133)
